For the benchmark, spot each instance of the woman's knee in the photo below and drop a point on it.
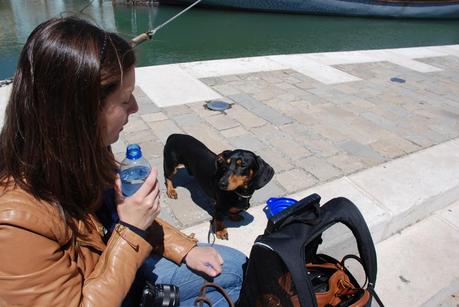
(233, 263)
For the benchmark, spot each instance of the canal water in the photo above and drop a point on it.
(203, 34)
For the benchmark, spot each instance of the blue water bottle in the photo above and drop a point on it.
(134, 170)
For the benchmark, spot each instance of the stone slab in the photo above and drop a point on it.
(419, 266)
(216, 68)
(168, 85)
(323, 73)
(410, 188)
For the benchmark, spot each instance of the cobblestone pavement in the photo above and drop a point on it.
(308, 131)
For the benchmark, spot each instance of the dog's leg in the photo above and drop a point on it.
(171, 192)
(234, 214)
(220, 230)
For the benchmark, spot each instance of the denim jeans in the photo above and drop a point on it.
(159, 270)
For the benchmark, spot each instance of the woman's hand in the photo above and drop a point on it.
(141, 208)
(204, 259)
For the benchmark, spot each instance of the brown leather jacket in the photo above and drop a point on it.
(40, 265)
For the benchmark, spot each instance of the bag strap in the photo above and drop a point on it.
(370, 286)
(202, 298)
(373, 293)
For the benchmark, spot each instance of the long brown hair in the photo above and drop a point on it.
(51, 143)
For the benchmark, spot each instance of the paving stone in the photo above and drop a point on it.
(261, 109)
(186, 120)
(119, 148)
(163, 129)
(290, 148)
(295, 180)
(321, 147)
(272, 189)
(229, 78)
(245, 117)
(151, 148)
(154, 117)
(232, 132)
(361, 151)
(211, 81)
(208, 136)
(248, 142)
(226, 90)
(177, 110)
(267, 93)
(298, 132)
(139, 136)
(222, 121)
(329, 133)
(392, 148)
(276, 159)
(348, 164)
(135, 124)
(320, 168)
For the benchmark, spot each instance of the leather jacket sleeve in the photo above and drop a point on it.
(115, 271)
(169, 242)
(39, 266)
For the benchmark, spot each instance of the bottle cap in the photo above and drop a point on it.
(133, 152)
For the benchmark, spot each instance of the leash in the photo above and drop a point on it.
(211, 233)
(202, 295)
(149, 34)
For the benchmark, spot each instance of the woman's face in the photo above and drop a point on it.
(118, 106)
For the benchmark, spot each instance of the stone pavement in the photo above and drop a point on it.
(310, 128)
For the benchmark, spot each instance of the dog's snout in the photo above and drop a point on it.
(223, 183)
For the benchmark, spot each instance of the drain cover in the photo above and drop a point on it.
(218, 105)
(398, 80)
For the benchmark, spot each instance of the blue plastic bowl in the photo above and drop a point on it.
(274, 205)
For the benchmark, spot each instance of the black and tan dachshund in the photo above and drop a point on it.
(229, 178)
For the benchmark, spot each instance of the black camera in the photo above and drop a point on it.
(160, 295)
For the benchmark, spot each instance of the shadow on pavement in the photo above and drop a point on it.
(200, 198)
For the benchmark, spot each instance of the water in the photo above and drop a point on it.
(132, 178)
(203, 34)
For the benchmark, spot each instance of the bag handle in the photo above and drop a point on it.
(202, 298)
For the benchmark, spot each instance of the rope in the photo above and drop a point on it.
(149, 34)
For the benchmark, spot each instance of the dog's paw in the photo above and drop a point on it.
(222, 234)
(172, 193)
(235, 217)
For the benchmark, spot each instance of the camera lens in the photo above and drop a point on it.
(166, 295)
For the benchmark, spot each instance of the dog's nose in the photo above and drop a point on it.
(223, 184)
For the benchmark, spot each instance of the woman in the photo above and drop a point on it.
(71, 97)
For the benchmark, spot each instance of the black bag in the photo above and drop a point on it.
(284, 268)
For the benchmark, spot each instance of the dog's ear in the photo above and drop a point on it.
(263, 174)
(221, 157)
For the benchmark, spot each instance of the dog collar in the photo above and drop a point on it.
(243, 196)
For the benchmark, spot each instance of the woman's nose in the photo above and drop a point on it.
(134, 107)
